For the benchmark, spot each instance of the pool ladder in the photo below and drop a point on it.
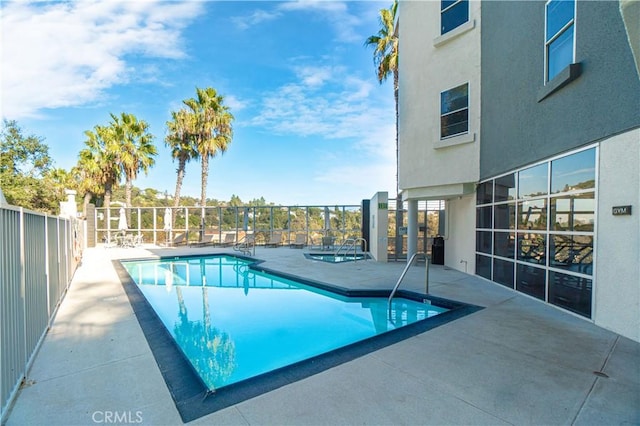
(404, 272)
(351, 243)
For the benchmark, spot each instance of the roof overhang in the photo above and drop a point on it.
(438, 192)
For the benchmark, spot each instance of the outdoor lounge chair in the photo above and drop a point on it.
(229, 240)
(275, 240)
(207, 239)
(299, 242)
(180, 240)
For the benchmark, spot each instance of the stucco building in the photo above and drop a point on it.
(525, 117)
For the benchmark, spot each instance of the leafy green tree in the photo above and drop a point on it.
(134, 148)
(24, 169)
(213, 130)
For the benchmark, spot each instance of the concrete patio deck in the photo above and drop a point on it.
(518, 361)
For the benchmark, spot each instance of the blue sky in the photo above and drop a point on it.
(312, 124)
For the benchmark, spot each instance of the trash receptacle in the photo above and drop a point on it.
(437, 251)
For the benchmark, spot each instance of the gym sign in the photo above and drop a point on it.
(621, 210)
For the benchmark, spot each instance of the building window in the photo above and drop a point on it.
(453, 13)
(559, 36)
(535, 230)
(454, 111)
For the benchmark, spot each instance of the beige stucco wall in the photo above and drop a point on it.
(459, 246)
(617, 268)
(430, 65)
(378, 226)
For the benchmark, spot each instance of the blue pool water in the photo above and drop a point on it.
(234, 323)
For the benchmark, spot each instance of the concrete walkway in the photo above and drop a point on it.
(518, 361)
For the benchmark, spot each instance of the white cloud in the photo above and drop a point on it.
(258, 16)
(68, 53)
(325, 101)
(336, 13)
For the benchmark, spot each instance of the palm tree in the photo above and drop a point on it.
(87, 179)
(385, 58)
(135, 149)
(99, 160)
(212, 132)
(180, 140)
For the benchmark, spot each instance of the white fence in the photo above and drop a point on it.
(38, 255)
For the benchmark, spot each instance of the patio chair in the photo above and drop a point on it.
(229, 240)
(180, 240)
(207, 239)
(275, 240)
(299, 242)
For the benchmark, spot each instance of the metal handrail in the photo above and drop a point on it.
(247, 245)
(352, 243)
(404, 272)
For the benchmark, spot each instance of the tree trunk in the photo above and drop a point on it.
(399, 210)
(205, 176)
(127, 198)
(182, 164)
(85, 202)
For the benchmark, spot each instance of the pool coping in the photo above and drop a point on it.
(191, 396)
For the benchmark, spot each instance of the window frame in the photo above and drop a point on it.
(449, 8)
(442, 115)
(549, 40)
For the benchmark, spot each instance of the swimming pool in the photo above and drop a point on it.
(245, 331)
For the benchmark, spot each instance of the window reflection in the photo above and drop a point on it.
(484, 193)
(531, 248)
(570, 292)
(506, 188)
(483, 241)
(572, 252)
(530, 280)
(483, 266)
(504, 244)
(532, 214)
(573, 213)
(503, 272)
(505, 215)
(484, 217)
(533, 181)
(574, 172)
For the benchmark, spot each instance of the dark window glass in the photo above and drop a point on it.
(559, 14)
(531, 248)
(454, 111)
(571, 252)
(483, 241)
(483, 217)
(530, 280)
(570, 292)
(532, 214)
(483, 266)
(506, 188)
(505, 216)
(574, 172)
(504, 244)
(503, 272)
(573, 213)
(484, 193)
(533, 181)
(453, 15)
(454, 123)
